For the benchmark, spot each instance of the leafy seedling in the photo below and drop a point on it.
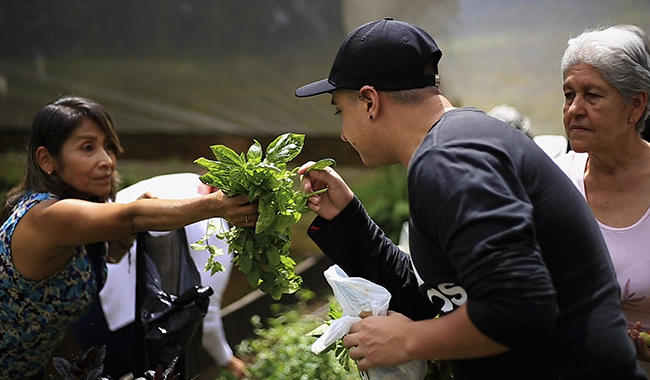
(262, 253)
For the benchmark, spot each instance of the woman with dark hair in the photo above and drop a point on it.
(57, 226)
(606, 74)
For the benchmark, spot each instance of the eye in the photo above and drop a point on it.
(88, 147)
(568, 98)
(338, 112)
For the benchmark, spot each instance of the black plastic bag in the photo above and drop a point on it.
(168, 326)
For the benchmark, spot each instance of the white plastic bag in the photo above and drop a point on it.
(357, 295)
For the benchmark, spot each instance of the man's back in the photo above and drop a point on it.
(496, 223)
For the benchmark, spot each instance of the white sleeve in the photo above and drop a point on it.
(214, 337)
(117, 297)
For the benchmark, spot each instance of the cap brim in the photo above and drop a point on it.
(315, 88)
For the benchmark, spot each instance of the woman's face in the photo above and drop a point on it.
(87, 161)
(594, 113)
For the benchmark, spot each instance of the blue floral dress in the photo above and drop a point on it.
(34, 314)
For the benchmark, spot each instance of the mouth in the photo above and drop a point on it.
(578, 129)
(105, 179)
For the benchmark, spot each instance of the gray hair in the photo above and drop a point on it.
(620, 53)
(512, 116)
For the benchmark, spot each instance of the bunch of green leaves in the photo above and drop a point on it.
(262, 253)
(281, 348)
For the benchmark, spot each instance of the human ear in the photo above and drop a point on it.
(370, 96)
(639, 103)
(45, 160)
(367, 93)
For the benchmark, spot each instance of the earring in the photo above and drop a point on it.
(631, 119)
(370, 117)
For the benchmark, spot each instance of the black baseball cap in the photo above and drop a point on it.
(386, 54)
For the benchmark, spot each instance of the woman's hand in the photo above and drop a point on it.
(236, 210)
(642, 351)
(118, 247)
(237, 367)
(330, 203)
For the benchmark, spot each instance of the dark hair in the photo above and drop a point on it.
(51, 127)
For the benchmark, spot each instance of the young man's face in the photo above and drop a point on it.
(355, 127)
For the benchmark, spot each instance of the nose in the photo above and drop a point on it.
(343, 137)
(576, 107)
(108, 158)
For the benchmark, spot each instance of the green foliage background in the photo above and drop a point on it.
(281, 348)
(385, 197)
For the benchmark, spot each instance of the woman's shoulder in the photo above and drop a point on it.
(26, 201)
(30, 198)
(38, 196)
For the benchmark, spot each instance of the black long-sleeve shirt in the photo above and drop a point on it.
(495, 224)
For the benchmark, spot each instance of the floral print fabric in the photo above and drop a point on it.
(34, 314)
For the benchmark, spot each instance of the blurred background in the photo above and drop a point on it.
(228, 68)
(181, 75)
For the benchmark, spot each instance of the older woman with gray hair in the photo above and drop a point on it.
(606, 74)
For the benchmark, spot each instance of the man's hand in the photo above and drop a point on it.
(379, 341)
(330, 203)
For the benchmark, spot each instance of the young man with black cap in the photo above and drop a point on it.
(502, 246)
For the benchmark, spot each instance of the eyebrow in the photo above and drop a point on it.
(87, 137)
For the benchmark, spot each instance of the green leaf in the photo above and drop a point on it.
(276, 293)
(254, 154)
(245, 263)
(213, 179)
(321, 164)
(274, 256)
(266, 213)
(281, 222)
(216, 267)
(285, 148)
(255, 192)
(208, 164)
(213, 228)
(198, 247)
(253, 277)
(265, 286)
(214, 250)
(249, 244)
(227, 155)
